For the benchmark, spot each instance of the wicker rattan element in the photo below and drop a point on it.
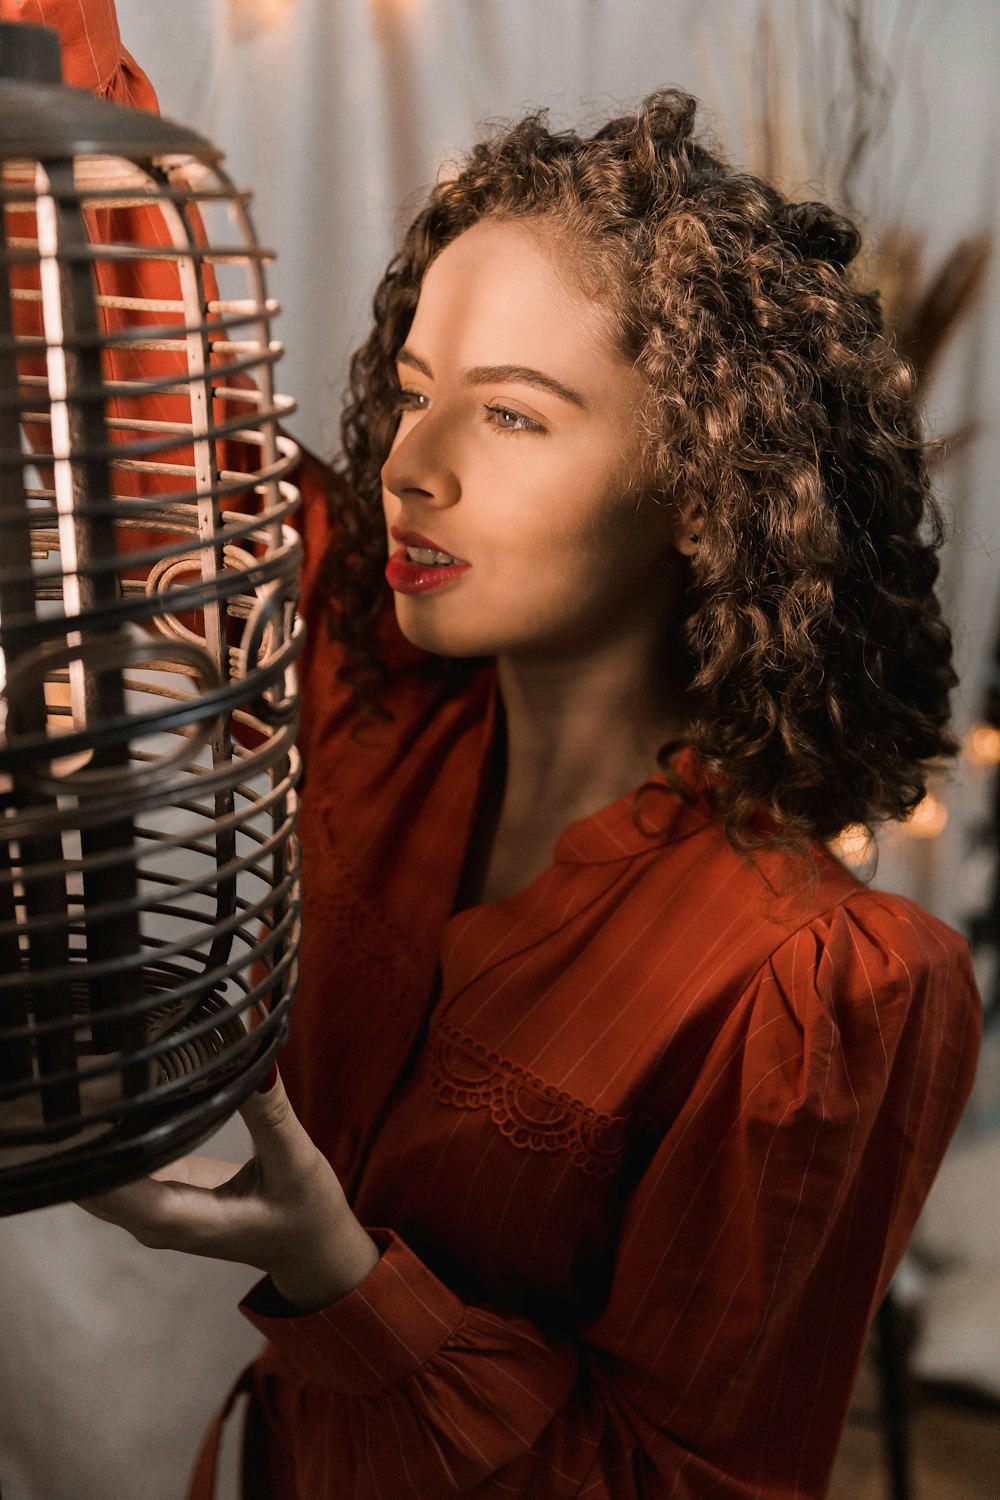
(148, 580)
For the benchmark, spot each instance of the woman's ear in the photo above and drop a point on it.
(687, 531)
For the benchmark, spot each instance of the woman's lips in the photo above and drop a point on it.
(406, 577)
(415, 539)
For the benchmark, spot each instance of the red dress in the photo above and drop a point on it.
(641, 1145)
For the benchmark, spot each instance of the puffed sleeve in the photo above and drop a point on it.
(94, 57)
(751, 1256)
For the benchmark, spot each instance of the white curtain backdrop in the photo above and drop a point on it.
(339, 114)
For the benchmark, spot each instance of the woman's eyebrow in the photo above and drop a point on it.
(484, 374)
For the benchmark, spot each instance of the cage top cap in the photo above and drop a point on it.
(43, 119)
(30, 53)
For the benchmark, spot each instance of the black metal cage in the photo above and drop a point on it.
(148, 581)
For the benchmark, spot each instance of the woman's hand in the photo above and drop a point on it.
(284, 1211)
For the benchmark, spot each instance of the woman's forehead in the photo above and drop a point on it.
(503, 293)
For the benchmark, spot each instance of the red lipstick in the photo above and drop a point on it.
(406, 577)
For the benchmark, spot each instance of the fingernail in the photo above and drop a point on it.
(269, 1079)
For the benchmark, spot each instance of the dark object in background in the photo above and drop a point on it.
(984, 927)
(148, 579)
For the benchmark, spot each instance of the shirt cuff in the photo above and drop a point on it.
(383, 1330)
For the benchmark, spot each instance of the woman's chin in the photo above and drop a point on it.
(425, 629)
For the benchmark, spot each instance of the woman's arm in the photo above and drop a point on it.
(750, 1258)
(93, 56)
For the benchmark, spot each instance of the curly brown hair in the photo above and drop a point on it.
(818, 663)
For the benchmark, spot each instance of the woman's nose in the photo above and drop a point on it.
(421, 464)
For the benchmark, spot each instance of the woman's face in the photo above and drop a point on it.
(517, 438)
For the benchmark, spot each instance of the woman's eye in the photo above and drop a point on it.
(404, 399)
(505, 420)
(500, 418)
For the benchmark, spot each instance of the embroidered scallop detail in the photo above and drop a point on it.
(529, 1112)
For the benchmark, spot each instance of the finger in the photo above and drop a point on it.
(198, 1171)
(183, 1216)
(137, 1206)
(279, 1139)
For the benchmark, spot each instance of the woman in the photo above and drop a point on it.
(615, 1095)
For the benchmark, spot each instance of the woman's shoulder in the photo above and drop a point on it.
(808, 937)
(811, 899)
(868, 930)
(870, 968)
(856, 934)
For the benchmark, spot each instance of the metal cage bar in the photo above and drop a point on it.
(149, 877)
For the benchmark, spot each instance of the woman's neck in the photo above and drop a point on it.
(579, 734)
(570, 738)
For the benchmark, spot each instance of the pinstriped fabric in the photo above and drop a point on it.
(779, 1076)
(782, 1077)
(93, 55)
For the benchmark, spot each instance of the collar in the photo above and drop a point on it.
(643, 820)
